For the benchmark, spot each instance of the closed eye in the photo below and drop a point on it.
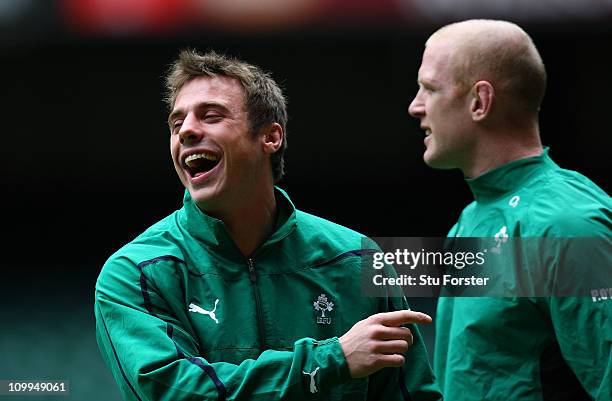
(428, 88)
(212, 117)
(176, 126)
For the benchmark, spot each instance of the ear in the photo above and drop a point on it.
(272, 138)
(482, 100)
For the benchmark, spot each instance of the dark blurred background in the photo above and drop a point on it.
(85, 154)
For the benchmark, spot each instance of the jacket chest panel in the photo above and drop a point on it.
(477, 320)
(317, 303)
(222, 313)
(488, 222)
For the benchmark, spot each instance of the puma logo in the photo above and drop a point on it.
(313, 385)
(195, 308)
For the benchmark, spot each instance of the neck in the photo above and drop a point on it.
(251, 222)
(502, 149)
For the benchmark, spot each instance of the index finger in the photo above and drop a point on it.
(397, 318)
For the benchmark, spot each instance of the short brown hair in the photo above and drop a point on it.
(264, 100)
(502, 53)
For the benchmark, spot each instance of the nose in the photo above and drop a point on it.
(190, 132)
(417, 106)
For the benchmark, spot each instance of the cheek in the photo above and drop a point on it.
(432, 107)
(174, 152)
(443, 113)
(246, 149)
(174, 146)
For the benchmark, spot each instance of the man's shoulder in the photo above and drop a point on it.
(556, 202)
(159, 242)
(570, 185)
(571, 204)
(316, 223)
(316, 229)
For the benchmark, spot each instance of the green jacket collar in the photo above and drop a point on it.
(213, 233)
(508, 177)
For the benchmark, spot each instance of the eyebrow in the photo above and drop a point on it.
(426, 82)
(208, 105)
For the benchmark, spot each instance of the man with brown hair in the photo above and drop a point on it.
(481, 83)
(238, 295)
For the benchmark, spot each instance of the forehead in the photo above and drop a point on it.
(437, 64)
(218, 89)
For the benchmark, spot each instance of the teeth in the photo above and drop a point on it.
(428, 132)
(197, 156)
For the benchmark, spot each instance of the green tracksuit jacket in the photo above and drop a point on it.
(521, 348)
(182, 315)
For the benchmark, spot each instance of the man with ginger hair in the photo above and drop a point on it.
(481, 83)
(239, 295)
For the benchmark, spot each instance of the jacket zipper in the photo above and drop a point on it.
(253, 277)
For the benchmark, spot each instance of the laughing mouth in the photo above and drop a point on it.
(200, 163)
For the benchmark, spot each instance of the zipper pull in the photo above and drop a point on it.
(252, 274)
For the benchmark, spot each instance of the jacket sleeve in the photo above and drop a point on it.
(415, 380)
(583, 329)
(583, 324)
(152, 357)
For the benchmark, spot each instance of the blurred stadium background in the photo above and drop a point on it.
(85, 156)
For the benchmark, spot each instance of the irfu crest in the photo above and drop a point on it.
(323, 305)
(500, 238)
